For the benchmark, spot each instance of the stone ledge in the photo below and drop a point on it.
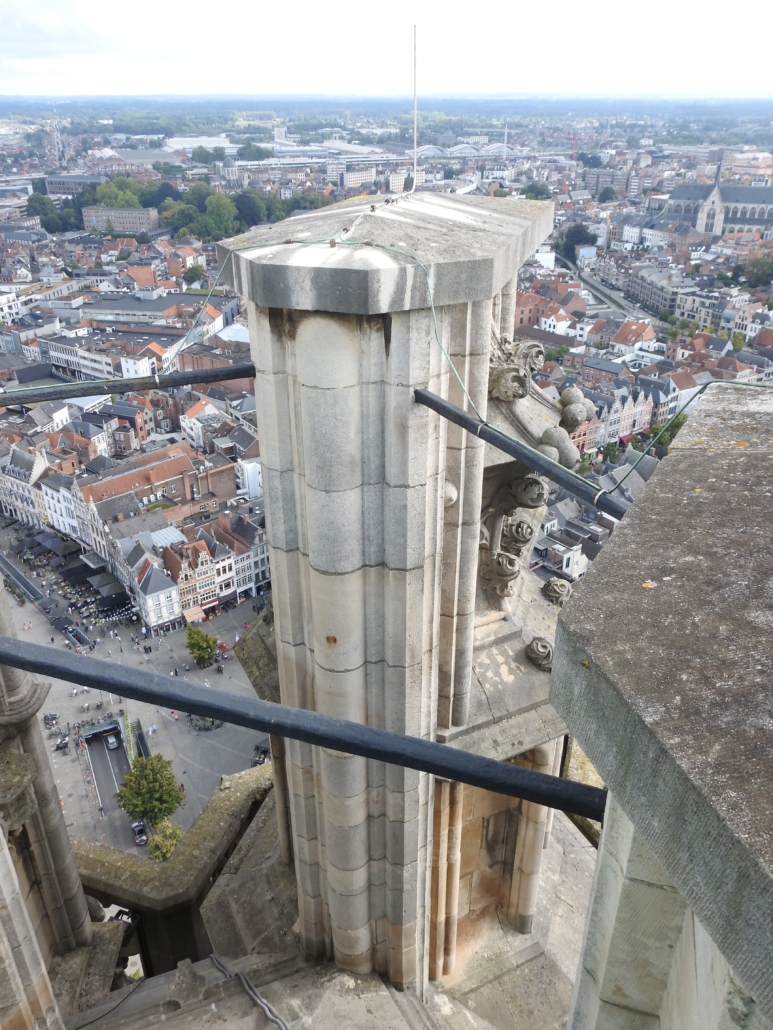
(146, 886)
(471, 246)
(662, 671)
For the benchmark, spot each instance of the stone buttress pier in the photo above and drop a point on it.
(372, 512)
(49, 915)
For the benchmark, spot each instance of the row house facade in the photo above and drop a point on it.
(19, 497)
(618, 414)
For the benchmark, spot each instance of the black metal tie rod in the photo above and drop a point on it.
(534, 459)
(90, 387)
(310, 727)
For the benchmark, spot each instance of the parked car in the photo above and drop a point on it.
(140, 834)
(112, 741)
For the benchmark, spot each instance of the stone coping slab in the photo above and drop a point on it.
(471, 246)
(663, 670)
(142, 885)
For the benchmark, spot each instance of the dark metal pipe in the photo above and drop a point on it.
(12, 398)
(310, 727)
(534, 459)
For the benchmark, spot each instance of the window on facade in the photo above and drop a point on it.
(202, 507)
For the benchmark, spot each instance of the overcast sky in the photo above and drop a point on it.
(667, 47)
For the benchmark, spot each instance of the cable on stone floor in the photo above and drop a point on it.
(252, 991)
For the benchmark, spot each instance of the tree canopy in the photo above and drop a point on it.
(576, 236)
(607, 194)
(759, 272)
(150, 791)
(537, 191)
(164, 840)
(193, 274)
(251, 152)
(200, 644)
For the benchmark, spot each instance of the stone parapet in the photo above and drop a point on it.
(662, 672)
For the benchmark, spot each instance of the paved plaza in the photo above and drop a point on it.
(199, 758)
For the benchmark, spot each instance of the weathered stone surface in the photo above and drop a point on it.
(101, 966)
(671, 700)
(253, 905)
(471, 247)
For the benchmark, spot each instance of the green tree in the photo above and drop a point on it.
(110, 195)
(222, 212)
(537, 191)
(251, 152)
(607, 194)
(193, 274)
(165, 839)
(683, 324)
(677, 424)
(585, 465)
(501, 193)
(663, 314)
(723, 334)
(408, 184)
(576, 236)
(149, 790)
(610, 452)
(202, 156)
(218, 153)
(250, 207)
(738, 340)
(42, 205)
(759, 272)
(200, 644)
(672, 320)
(197, 195)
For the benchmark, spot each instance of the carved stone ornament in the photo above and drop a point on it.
(530, 355)
(557, 591)
(511, 370)
(529, 492)
(540, 653)
(501, 572)
(516, 534)
(509, 383)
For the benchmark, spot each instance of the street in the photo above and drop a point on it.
(199, 759)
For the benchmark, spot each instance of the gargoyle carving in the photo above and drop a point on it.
(540, 653)
(557, 591)
(529, 492)
(509, 382)
(511, 370)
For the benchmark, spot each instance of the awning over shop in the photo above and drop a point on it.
(100, 579)
(56, 562)
(39, 549)
(63, 547)
(61, 623)
(75, 572)
(194, 615)
(94, 560)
